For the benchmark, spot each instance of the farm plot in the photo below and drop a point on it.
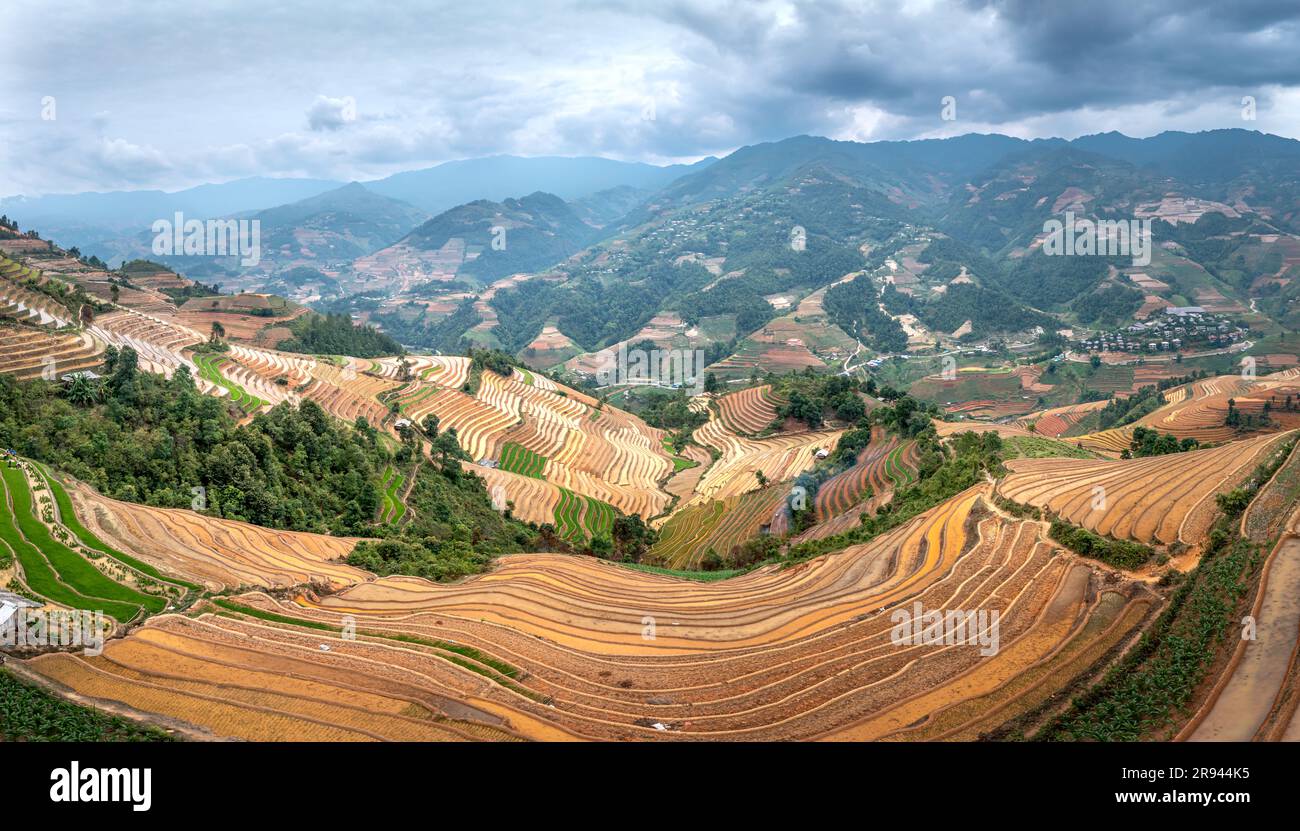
(844, 490)
(579, 518)
(534, 499)
(1255, 686)
(347, 394)
(1160, 499)
(554, 647)
(393, 508)
(218, 553)
(211, 368)
(778, 458)
(28, 353)
(718, 525)
(749, 411)
(1057, 421)
(158, 341)
(52, 569)
(239, 678)
(519, 459)
(771, 654)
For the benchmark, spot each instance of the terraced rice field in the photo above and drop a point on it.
(749, 411)
(348, 394)
(240, 678)
(720, 525)
(518, 459)
(558, 647)
(210, 369)
(159, 342)
(393, 508)
(1255, 697)
(554, 647)
(780, 458)
(216, 553)
(535, 500)
(883, 466)
(1057, 421)
(50, 567)
(27, 353)
(1115, 440)
(1159, 499)
(580, 518)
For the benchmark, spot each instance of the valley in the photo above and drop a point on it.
(690, 456)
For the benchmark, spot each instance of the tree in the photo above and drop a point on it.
(447, 448)
(81, 391)
(114, 292)
(218, 331)
(431, 423)
(1095, 361)
(710, 382)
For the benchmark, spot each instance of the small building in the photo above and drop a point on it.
(10, 603)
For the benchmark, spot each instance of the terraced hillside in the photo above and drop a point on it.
(216, 553)
(552, 647)
(61, 565)
(1159, 499)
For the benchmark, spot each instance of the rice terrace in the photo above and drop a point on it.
(558, 405)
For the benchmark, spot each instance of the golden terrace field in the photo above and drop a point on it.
(217, 553)
(298, 645)
(555, 647)
(1159, 499)
(1199, 410)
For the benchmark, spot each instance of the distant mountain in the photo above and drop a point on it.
(1212, 156)
(107, 224)
(610, 205)
(908, 170)
(497, 239)
(333, 227)
(139, 208)
(496, 178)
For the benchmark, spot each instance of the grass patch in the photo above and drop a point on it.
(698, 576)
(1037, 447)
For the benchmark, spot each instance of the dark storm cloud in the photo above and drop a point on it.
(170, 95)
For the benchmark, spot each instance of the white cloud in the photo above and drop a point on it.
(355, 92)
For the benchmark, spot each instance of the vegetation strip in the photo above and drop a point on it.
(55, 571)
(477, 661)
(68, 518)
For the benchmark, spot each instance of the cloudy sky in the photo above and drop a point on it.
(138, 94)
